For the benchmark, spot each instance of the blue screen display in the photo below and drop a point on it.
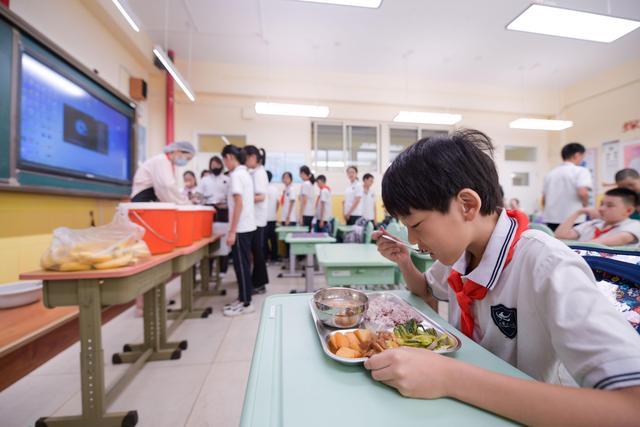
(65, 128)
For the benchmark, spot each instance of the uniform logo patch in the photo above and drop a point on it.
(506, 319)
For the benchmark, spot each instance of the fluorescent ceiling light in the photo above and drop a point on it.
(371, 4)
(427, 118)
(127, 15)
(297, 110)
(164, 58)
(42, 72)
(555, 21)
(540, 124)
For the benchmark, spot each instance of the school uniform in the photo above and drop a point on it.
(595, 228)
(369, 205)
(259, 275)
(561, 193)
(271, 248)
(309, 209)
(214, 190)
(155, 181)
(323, 203)
(287, 199)
(542, 311)
(241, 183)
(353, 191)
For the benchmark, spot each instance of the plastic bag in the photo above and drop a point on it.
(114, 245)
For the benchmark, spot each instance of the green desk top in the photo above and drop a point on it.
(351, 255)
(291, 239)
(293, 383)
(292, 229)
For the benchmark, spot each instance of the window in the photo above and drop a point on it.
(329, 147)
(399, 140)
(520, 154)
(520, 179)
(362, 147)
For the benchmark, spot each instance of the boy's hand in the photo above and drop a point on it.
(231, 238)
(593, 213)
(391, 250)
(414, 372)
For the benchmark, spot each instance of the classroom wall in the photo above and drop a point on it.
(27, 220)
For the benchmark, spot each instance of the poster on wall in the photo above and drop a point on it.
(611, 162)
(590, 162)
(631, 155)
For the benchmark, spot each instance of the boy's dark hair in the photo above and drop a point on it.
(305, 170)
(623, 174)
(367, 176)
(570, 149)
(321, 178)
(236, 152)
(354, 168)
(431, 172)
(630, 198)
(269, 175)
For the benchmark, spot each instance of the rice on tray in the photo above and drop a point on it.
(387, 313)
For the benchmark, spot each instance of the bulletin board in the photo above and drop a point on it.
(611, 162)
(631, 155)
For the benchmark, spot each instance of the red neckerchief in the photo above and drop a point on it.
(322, 187)
(599, 232)
(469, 291)
(282, 197)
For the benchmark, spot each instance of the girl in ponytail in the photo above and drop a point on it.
(306, 196)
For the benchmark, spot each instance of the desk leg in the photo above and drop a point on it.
(186, 293)
(292, 266)
(309, 273)
(91, 368)
(204, 285)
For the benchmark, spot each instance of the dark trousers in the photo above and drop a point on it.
(271, 241)
(259, 276)
(352, 219)
(552, 226)
(241, 251)
(325, 229)
(307, 220)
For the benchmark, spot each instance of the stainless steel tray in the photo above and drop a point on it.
(324, 332)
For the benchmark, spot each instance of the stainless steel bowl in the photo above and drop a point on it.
(340, 307)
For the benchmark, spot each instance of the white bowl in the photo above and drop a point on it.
(20, 293)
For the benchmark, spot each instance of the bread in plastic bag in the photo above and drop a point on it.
(114, 245)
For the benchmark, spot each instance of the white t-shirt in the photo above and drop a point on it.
(214, 189)
(353, 190)
(289, 199)
(369, 204)
(307, 190)
(561, 192)
(261, 186)
(242, 183)
(586, 230)
(543, 312)
(158, 173)
(324, 200)
(273, 199)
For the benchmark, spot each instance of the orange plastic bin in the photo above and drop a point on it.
(207, 215)
(159, 221)
(188, 220)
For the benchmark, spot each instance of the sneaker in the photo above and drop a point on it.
(240, 310)
(259, 291)
(232, 304)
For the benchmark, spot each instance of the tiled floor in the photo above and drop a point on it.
(205, 387)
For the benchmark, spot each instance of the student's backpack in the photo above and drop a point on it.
(617, 274)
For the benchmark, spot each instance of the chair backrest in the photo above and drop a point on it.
(541, 227)
(334, 227)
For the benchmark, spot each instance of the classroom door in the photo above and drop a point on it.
(521, 180)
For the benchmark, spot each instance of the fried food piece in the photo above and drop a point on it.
(348, 353)
(341, 340)
(354, 343)
(365, 336)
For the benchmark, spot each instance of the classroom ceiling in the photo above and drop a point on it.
(459, 41)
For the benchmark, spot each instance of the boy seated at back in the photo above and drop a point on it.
(521, 294)
(611, 225)
(629, 178)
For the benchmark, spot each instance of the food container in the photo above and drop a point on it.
(20, 293)
(187, 219)
(340, 307)
(207, 214)
(159, 221)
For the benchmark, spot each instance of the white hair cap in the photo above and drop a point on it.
(185, 146)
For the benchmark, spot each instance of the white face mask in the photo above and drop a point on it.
(180, 161)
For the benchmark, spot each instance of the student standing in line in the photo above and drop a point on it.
(214, 189)
(566, 188)
(241, 228)
(190, 185)
(273, 202)
(155, 179)
(255, 161)
(306, 197)
(630, 179)
(520, 293)
(323, 206)
(288, 200)
(352, 205)
(369, 211)
(612, 225)
(205, 172)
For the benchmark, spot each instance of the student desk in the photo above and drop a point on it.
(293, 383)
(90, 291)
(282, 233)
(305, 244)
(422, 261)
(355, 264)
